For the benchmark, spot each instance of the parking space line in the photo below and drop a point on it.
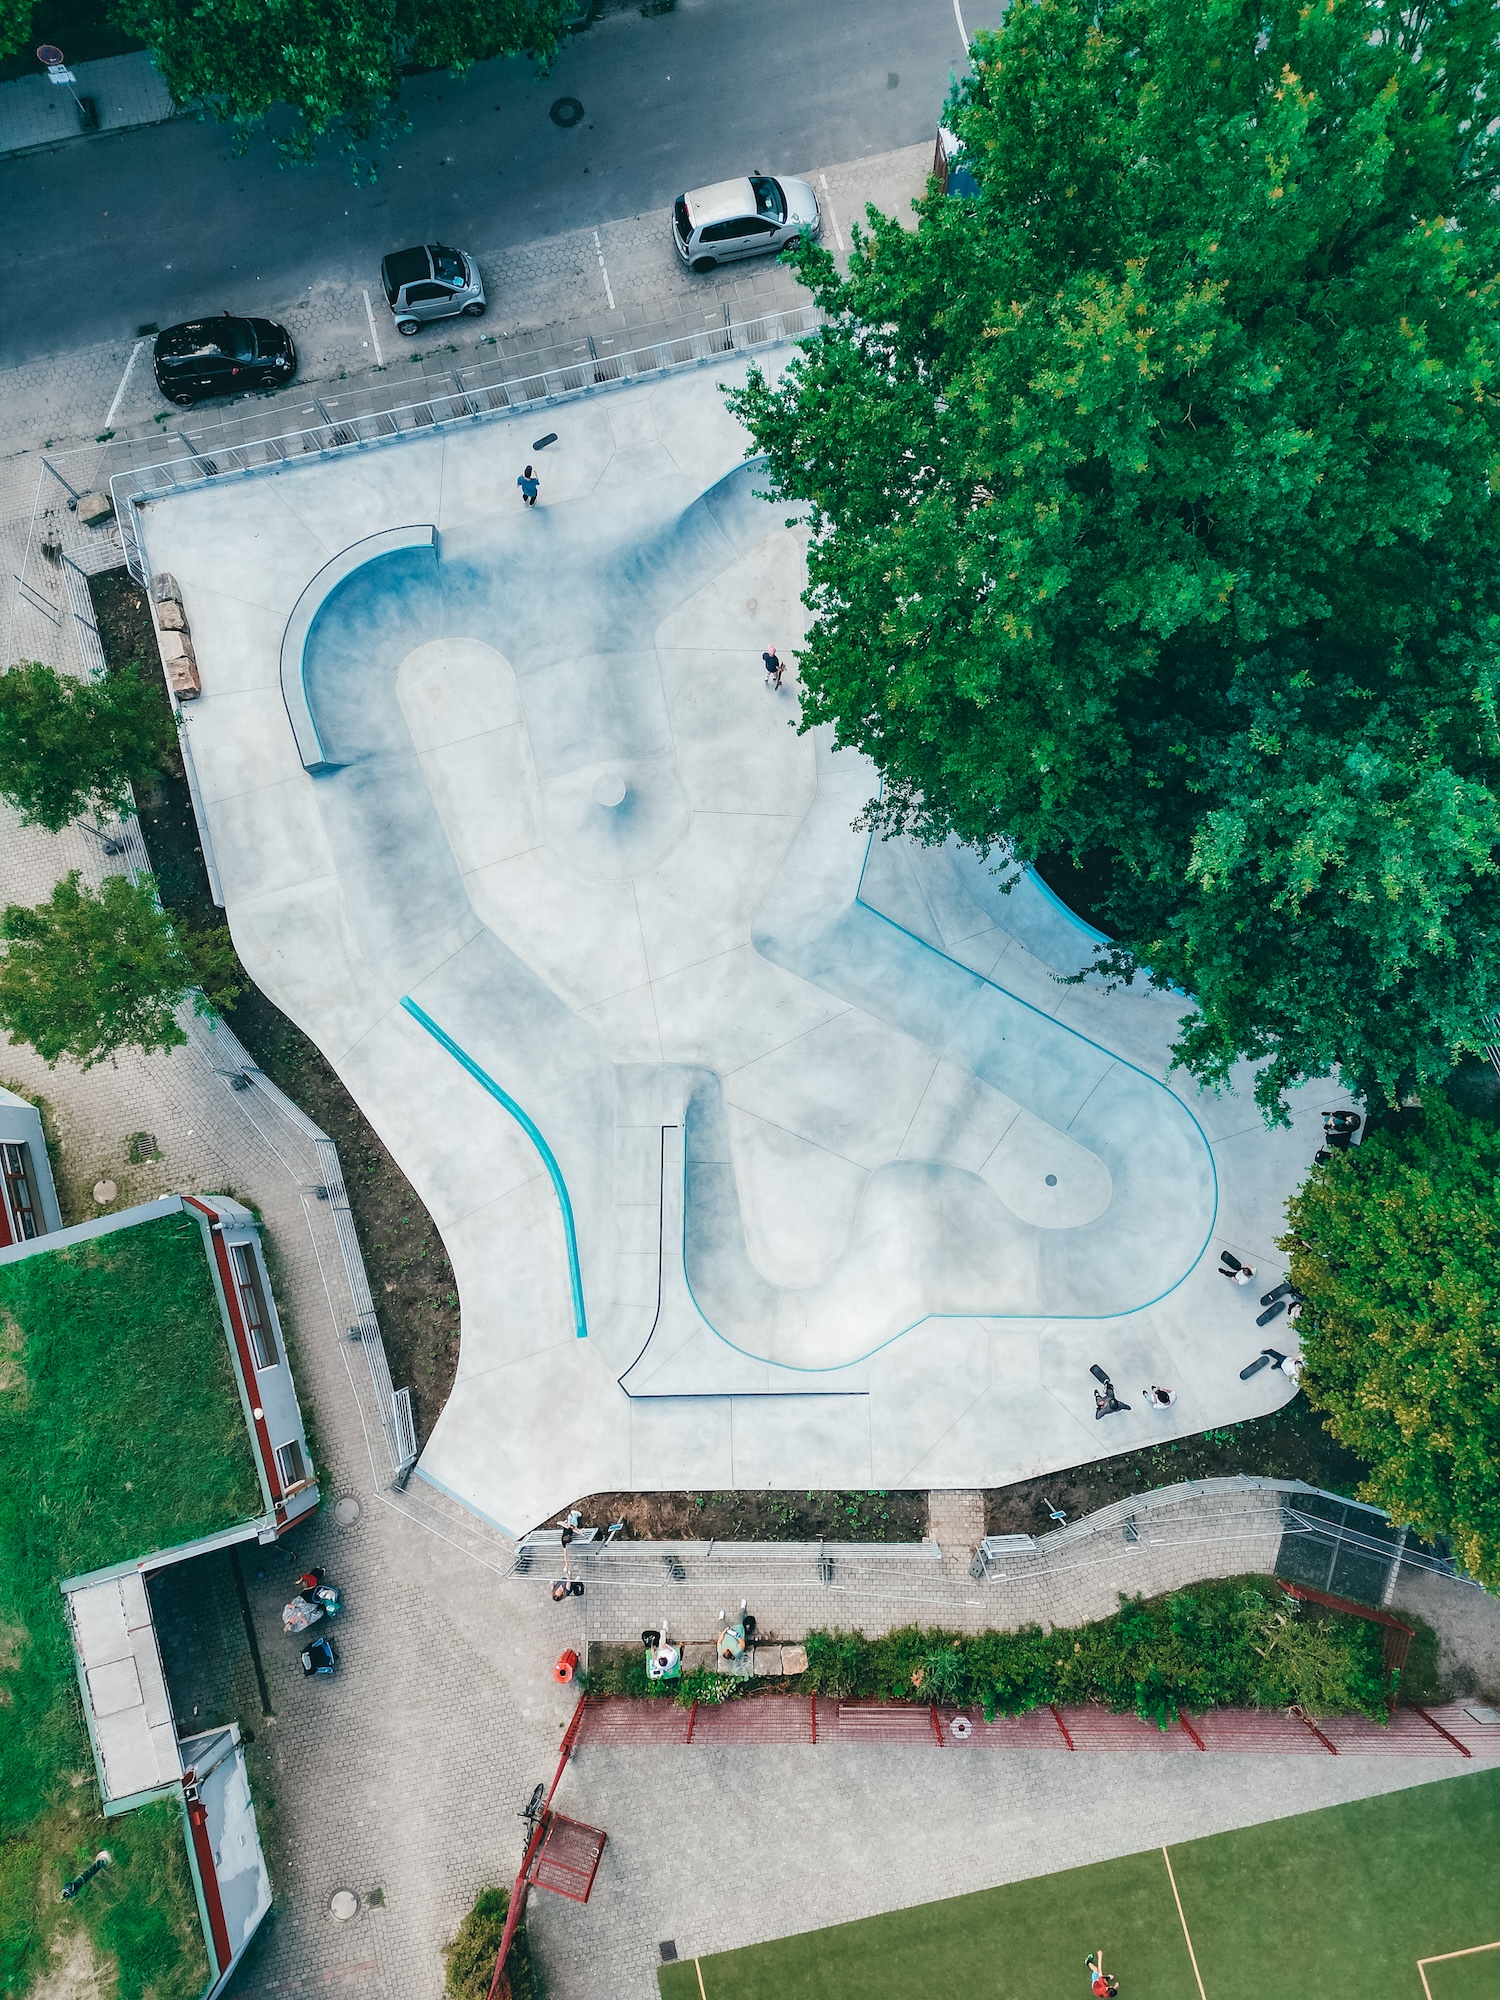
(604, 274)
(960, 20)
(124, 382)
(832, 217)
(374, 336)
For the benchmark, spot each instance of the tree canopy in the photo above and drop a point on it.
(1395, 1247)
(88, 973)
(336, 63)
(1153, 515)
(69, 746)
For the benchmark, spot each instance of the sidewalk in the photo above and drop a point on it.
(126, 91)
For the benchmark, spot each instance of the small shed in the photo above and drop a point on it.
(28, 1200)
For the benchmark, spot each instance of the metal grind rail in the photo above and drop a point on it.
(1449, 1731)
(142, 469)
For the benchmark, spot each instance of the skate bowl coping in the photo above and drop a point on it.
(309, 608)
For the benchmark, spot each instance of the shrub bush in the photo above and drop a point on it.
(1237, 1643)
(471, 1956)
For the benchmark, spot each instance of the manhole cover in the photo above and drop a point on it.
(343, 1904)
(346, 1511)
(566, 111)
(104, 1193)
(1052, 1180)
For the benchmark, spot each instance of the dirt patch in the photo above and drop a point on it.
(757, 1517)
(75, 1972)
(410, 1276)
(1289, 1444)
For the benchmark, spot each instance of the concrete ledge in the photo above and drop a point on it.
(305, 612)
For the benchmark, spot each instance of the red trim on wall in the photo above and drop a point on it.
(242, 1350)
(204, 1849)
(7, 1236)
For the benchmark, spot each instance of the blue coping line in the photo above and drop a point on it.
(549, 1159)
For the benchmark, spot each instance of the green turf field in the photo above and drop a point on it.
(1332, 1905)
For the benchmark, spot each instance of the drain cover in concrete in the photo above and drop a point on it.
(104, 1193)
(343, 1903)
(346, 1511)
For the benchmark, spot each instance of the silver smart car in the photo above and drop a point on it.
(430, 282)
(733, 219)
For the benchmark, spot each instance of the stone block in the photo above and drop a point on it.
(94, 508)
(698, 1653)
(182, 679)
(175, 646)
(170, 616)
(164, 588)
(768, 1660)
(794, 1659)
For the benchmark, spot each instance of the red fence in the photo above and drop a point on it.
(619, 1721)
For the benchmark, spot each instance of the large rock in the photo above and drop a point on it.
(95, 508)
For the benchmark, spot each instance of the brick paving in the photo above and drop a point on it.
(126, 92)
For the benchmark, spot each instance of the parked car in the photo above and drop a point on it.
(430, 282)
(732, 219)
(220, 357)
(950, 169)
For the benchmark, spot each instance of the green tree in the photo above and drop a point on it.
(69, 746)
(1395, 1247)
(88, 973)
(336, 63)
(15, 24)
(1151, 491)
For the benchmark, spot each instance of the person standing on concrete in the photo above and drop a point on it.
(774, 670)
(530, 486)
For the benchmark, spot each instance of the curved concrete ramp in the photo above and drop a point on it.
(1051, 1179)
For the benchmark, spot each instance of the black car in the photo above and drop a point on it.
(220, 357)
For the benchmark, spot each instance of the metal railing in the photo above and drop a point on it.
(359, 419)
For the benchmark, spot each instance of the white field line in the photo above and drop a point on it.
(603, 271)
(1187, 1934)
(1439, 1958)
(374, 336)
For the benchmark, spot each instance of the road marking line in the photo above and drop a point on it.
(1438, 1958)
(604, 274)
(960, 20)
(699, 1970)
(124, 379)
(828, 204)
(374, 336)
(1173, 1879)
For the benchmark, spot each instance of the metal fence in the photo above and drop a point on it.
(1452, 1731)
(142, 469)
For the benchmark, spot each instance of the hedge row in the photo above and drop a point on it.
(1241, 1643)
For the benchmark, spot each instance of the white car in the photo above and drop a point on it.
(733, 219)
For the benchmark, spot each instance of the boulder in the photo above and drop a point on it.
(93, 508)
(170, 616)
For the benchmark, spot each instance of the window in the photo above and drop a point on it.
(448, 265)
(752, 225)
(420, 295)
(20, 1198)
(768, 200)
(253, 1306)
(291, 1465)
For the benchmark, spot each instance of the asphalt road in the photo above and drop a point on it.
(98, 238)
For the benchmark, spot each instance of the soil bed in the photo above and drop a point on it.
(1289, 1444)
(758, 1516)
(410, 1276)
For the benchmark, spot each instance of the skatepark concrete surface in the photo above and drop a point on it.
(765, 1155)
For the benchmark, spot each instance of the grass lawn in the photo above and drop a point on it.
(1332, 1905)
(121, 1432)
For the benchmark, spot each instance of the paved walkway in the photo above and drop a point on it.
(126, 91)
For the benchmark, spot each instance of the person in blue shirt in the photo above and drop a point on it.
(530, 486)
